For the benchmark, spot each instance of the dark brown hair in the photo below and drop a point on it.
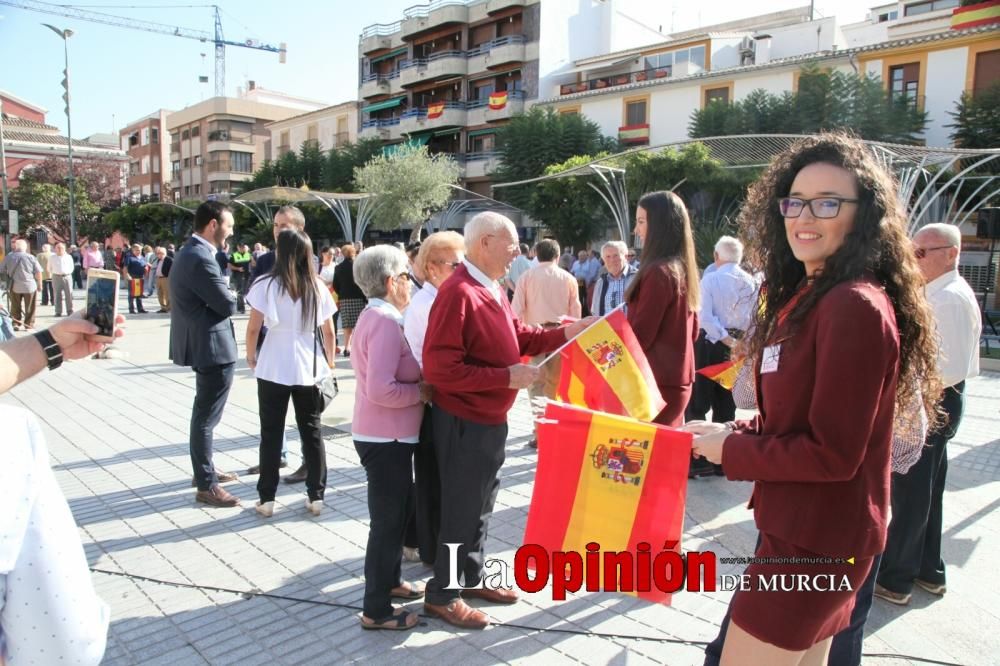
(877, 245)
(295, 272)
(668, 240)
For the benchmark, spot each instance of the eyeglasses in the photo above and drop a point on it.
(921, 252)
(510, 246)
(403, 276)
(821, 207)
(453, 264)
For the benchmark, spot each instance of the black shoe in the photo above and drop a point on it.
(298, 476)
(700, 467)
(718, 470)
(256, 468)
(142, 312)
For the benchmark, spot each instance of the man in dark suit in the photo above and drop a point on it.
(202, 337)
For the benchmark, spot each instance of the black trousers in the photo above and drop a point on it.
(47, 294)
(427, 507)
(212, 386)
(78, 276)
(389, 468)
(272, 399)
(845, 650)
(706, 394)
(240, 281)
(913, 547)
(135, 304)
(469, 458)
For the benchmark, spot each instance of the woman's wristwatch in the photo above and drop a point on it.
(53, 352)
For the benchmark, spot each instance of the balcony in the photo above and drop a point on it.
(417, 120)
(494, 6)
(228, 167)
(490, 110)
(380, 36)
(373, 85)
(380, 128)
(421, 18)
(495, 53)
(436, 66)
(480, 165)
(615, 80)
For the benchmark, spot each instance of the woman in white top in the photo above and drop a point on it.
(327, 266)
(294, 304)
(439, 254)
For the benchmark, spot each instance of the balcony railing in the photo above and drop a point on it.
(615, 80)
(482, 155)
(375, 76)
(423, 11)
(421, 111)
(486, 47)
(380, 122)
(381, 29)
(230, 166)
(422, 62)
(482, 103)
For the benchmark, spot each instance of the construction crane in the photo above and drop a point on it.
(123, 22)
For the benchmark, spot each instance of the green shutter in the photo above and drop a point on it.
(385, 104)
(390, 54)
(480, 132)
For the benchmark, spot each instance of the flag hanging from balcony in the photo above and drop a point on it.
(613, 481)
(435, 110)
(605, 369)
(498, 100)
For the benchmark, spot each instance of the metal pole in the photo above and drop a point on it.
(3, 179)
(69, 143)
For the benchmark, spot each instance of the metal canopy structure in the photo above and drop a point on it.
(942, 183)
(465, 201)
(264, 203)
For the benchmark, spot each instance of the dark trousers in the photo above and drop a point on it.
(913, 546)
(212, 386)
(389, 468)
(78, 276)
(427, 507)
(47, 295)
(709, 395)
(239, 282)
(845, 650)
(469, 457)
(272, 399)
(135, 304)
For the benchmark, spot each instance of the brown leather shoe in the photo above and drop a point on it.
(255, 469)
(298, 476)
(493, 596)
(459, 614)
(224, 477)
(216, 496)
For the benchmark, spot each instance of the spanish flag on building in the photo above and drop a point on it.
(605, 369)
(613, 481)
(498, 100)
(435, 110)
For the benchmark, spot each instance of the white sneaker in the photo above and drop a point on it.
(315, 508)
(266, 509)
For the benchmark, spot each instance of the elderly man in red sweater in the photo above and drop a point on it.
(472, 354)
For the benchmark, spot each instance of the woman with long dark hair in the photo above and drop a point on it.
(843, 339)
(295, 305)
(351, 299)
(663, 299)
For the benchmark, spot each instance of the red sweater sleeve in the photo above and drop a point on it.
(856, 352)
(656, 295)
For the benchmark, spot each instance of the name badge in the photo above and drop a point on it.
(769, 360)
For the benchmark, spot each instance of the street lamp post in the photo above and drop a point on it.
(66, 34)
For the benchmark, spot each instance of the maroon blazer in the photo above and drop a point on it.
(665, 327)
(819, 449)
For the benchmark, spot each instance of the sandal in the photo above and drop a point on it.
(408, 591)
(400, 620)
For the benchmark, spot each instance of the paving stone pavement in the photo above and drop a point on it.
(117, 435)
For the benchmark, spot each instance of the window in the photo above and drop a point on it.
(145, 136)
(187, 162)
(987, 70)
(510, 25)
(635, 112)
(175, 167)
(904, 81)
(145, 165)
(197, 189)
(569, 110)
(283, 143)
(698, 56)
(197, 160)
(481, 34)
(888, 16)
(241, 162)
(156, 164)
(155, 135)
(187, 190)
(481, 89)
(195, 131)
(483, 143)
(186, 134)
(312, 132)
(717, 95)
(930, 6)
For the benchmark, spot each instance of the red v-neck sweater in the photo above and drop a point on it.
(471, 340)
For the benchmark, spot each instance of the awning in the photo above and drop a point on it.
(390, 54)
(447, 132)
(598, 66)
(480, 132)
(385, 104)
(415, 141)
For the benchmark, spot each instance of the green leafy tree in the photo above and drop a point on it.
(977, 119)
(338, 172)
(569, 207)
(42, 204)
(410, 185)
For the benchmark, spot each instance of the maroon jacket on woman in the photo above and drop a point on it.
(819, 449)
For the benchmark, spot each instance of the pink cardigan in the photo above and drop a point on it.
(387, 401)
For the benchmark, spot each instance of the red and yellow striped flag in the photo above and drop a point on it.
(605, 369)
(135, 287)
(609, 480)
(498, 100)
(435, 110)
(724, 374)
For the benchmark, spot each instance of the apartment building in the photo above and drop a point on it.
(329, 127)
(215, 145)
(447, 75)
(145, 143)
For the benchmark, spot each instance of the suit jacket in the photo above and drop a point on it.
(168, 263)
(201, 333)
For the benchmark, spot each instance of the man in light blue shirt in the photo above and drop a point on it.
(728, 295)
(585, 270)
(522, 263)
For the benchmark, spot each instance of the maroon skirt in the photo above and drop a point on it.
(795, 605)
(677, 398)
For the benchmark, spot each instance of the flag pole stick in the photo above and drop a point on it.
(570, 341)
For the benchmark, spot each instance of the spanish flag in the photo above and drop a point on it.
(498, 100)
(612, 481)
(605, 369)
(135, 287)
(435, 110)
(723, 374)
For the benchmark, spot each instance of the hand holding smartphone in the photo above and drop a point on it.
(102, 300)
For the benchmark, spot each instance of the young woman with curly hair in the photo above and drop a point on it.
(844, 336)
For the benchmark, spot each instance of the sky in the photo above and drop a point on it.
(119, 75)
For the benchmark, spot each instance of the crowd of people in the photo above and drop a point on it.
(844, 324)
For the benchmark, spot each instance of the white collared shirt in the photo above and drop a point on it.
(207, 242)
(959, 326)
(484, 279)
(415, 320)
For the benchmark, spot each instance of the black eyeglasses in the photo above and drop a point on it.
(921, 252)
(453, 264)
(820, 207)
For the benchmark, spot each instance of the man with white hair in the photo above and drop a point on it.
(728, 295)
(609, 292)
(61, 270)
(913, 545)
(24, 278)
(472, 351)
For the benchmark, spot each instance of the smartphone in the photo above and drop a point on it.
(102, 300)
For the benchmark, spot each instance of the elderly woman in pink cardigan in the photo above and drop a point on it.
(388, 408)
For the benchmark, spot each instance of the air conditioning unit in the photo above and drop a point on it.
(747, 51)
